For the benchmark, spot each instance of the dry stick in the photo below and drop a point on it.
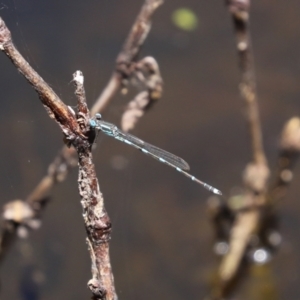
(246, 223)
(147, 73)
(128, 67)
(239, 10)
(36, 201)
(65, 160)
(129, 53)
(54, 106)
(137, 36)
(257, 172)
(56, 110)
(108, 93)
(97, 223)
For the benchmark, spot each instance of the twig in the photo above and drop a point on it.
(54, 106)
(97, 222)
(136, 37)
(108, 93)
(251, 220)
(56, 110)
(256, 174)
(66, 159)
(76, 130)
(256, 211)
(66, 120)
(61, 165)
(239, 10)
(130, 51)
(125, 63)
(147, 72)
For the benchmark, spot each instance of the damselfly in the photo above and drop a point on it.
(161, 155)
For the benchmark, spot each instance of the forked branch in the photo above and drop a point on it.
(66, 159)
(75, 127)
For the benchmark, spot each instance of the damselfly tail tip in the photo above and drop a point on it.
(211, 188)
(216, 191)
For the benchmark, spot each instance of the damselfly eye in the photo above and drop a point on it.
(93, 124)
(98, 116)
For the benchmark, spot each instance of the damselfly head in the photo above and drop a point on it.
(98, 116)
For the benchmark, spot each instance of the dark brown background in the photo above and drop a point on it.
(162, 237)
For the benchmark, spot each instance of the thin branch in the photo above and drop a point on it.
(96, 219)
(256, 174)
(247, 219)
(57, 172)
(56, 110)
(54, 106)
(129, 53)
(66, 159)
(250, 221)
(108, 93)
(137, 36)
(147, 73)
(76, 130)
(239, 10)
(255, 212)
